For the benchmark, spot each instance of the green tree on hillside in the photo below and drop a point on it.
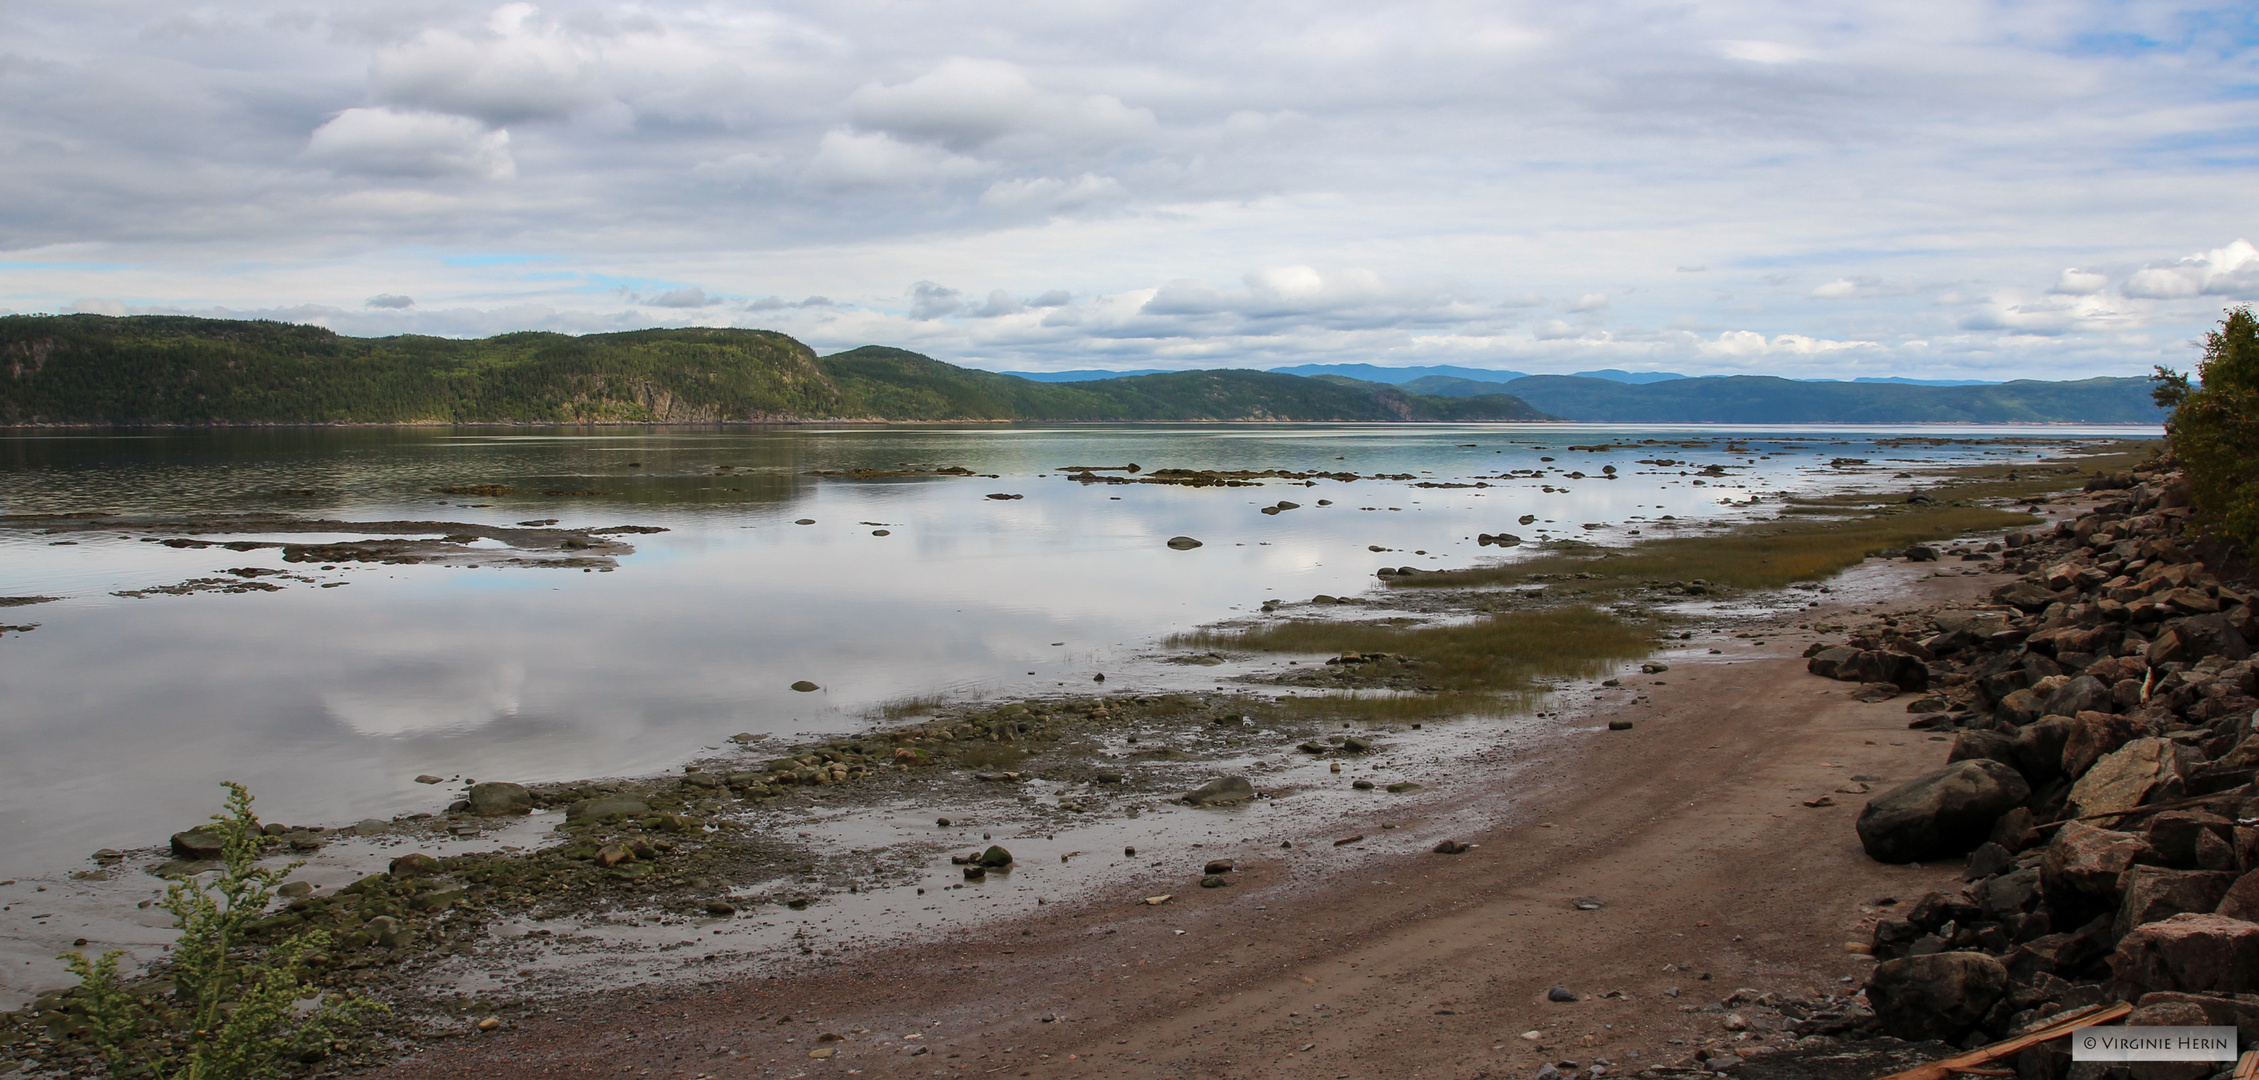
(2215, 426)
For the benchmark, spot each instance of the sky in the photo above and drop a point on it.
(1929, 188)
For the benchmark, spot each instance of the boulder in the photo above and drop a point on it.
(2154, 894)
(2087, 859)
(2141, 771)
(994, 858)
(2083, 694)
(495, 797)
(2189, 953)
(1828, 662)
(2196, 637)
(1982, 744)
(2021, 707)
(2092, 735)
(2024, 595)
(2242, 899)
(1183, 543)
(599, 809)
(1224, 791)
(414, 864)
(199, 844)
(2177, 835)
(1939, 996)
(2038, 748)
(1943, 812)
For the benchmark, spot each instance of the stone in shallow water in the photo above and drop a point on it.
(1183, 543)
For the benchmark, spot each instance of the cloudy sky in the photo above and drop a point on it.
(1926, 188)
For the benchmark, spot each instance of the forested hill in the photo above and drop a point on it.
(157, 369)
(1763, 399)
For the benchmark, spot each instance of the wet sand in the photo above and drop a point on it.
(1326, 961)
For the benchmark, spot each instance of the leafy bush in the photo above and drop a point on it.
(234, 1011)
(2214, 428)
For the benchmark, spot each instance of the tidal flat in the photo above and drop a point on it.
(824, 839)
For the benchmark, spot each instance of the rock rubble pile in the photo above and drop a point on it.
(2099, 781)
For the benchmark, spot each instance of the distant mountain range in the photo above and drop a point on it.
(150, 370)
(1400, 376)
(143, 370)
(1763, 399)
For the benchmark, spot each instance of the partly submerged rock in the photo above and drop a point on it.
(1223, 791)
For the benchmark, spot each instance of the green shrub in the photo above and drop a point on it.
(2214, 428)
(233, 1012)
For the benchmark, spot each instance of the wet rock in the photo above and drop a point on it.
(414, 864)
(295, 889)
(494, 798)
(1218, 866)
(1361, 785)
(1452, 847)
(428, 778)
(2142, 771)
(1619, 725)
(995, 858)
(371, 827)
(1560, 993)
(1214, 881)
(599, 809)
(806, 687)
(976, 873)
(1940, 996)
(2190, 953)
(720, 908)
(1182, 543)
(1223, 791)
(199, 844)
(1402, 787)
(1943, 812)
(614, 855)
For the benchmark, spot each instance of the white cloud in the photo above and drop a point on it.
(2225, 271)
(2076, 282)
(847, 159)
(1051, 193)
(393, 301)
(966, 103)
(999, 303)
(1590, 302)
(1763, 52)
(518, 67)
(391, 142)
(1840, 288)
(929, 300)
(1750, 345)
(693, 297)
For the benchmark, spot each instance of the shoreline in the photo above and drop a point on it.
(1310, 964)
(1262, 875)
(98, 428)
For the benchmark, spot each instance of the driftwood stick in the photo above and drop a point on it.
(1973, 1061)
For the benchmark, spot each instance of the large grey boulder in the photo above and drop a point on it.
(1939, 996)
(495, 797)
(2154, 894)
(1943, 812)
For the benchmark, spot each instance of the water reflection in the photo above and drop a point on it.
(122, 714)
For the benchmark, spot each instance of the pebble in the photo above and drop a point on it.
(1560, 993)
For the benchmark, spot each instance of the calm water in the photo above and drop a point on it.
(118, 716)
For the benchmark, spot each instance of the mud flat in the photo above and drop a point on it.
(1641, 842)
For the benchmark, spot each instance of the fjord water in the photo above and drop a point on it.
(119, 716)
